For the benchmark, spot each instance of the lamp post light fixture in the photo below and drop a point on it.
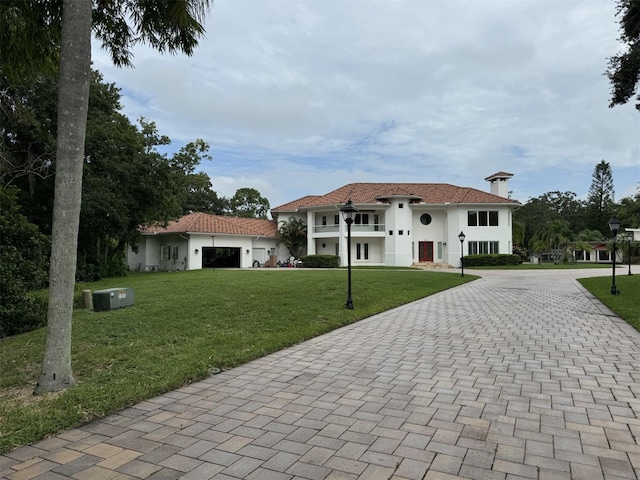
(629, 238)
(461, 237)
(348, 211)
(614, 225)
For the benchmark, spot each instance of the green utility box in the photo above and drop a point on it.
(112, 298)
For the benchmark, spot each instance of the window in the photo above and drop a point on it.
(324, 220)
(168, 253)
(361, 219)
(425, 219)
(439, 250)
(400, 232)
(401, 205)
(482, 218)
(362, 251)
(376, 221)
(336, 219)
(390, 232)
(483, 248)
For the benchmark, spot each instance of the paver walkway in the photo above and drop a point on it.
(512, 376)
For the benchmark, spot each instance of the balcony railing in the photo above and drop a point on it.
(378, 227)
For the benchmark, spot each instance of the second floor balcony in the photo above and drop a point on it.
(328, 229)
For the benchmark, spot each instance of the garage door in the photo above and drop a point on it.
(220, 257)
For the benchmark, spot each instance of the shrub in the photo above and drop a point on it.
(321, 261)
(23, 269)
(491, 260)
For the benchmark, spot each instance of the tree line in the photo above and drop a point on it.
(554, 219)
(126, 181)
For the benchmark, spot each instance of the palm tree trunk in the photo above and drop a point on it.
(73, 103)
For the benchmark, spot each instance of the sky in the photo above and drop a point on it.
(300, 97)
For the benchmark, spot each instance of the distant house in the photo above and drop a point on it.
(201, 240)
(400, 224)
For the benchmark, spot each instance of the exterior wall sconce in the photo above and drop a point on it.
(197, 251)
(248, 251)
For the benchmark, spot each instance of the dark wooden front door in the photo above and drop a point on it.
(425, 253)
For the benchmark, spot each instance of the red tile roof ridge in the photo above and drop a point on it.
(372, 193)
(201, 222)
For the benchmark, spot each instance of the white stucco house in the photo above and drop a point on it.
(397, 224)
(400, 224)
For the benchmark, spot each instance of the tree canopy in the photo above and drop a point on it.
(624, 68)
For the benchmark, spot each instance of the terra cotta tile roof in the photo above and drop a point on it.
(206, 223)
(371, 193)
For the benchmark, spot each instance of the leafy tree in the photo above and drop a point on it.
(555, 235)
(23, 267)
(294, 235)
(517, 232)
(548, 207)
(73, 104)
(27, 135)
(624, 68)
(629, 211)
(201, 197)
(600, 202)
(167, 26)
(247, 202)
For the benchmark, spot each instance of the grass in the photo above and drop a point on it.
(183, 326)
(626, 303)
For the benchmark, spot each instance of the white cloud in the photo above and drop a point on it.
(299, 97)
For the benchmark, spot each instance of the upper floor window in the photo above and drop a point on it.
(482, 218)
(361, 219)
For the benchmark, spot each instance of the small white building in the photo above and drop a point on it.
(201, 240)
(399, 224)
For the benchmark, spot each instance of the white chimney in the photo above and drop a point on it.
(500, 183)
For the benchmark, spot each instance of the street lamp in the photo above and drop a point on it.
(614, 225)
(348, 210)
(629, 238)
(461, 237)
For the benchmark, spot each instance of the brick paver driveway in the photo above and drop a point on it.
(512, 376)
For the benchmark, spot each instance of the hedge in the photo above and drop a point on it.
(321, 261)
(491, 260)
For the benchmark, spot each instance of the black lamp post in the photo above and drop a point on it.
(348, 210)
(461, 237)
(614, 225)
(629, 239)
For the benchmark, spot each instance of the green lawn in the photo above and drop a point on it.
(184, 325)
(626, 303)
